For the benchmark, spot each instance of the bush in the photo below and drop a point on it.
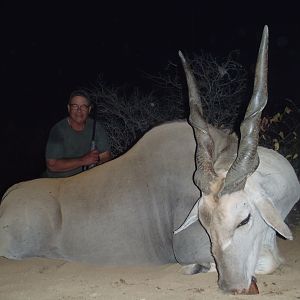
(127, 113)
(281, 132)
(222, 84)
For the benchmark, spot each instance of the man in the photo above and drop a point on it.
(68, 148)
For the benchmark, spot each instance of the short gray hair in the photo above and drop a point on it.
(81, 93)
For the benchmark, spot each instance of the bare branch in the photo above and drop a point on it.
(127, 113)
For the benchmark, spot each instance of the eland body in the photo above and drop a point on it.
(126, 211)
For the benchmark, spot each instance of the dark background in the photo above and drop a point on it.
(47, 50)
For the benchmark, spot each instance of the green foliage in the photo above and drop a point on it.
(281, 132)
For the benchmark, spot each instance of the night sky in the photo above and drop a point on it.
(47, 50)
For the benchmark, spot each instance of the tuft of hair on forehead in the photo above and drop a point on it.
(81, 93)
(217, 185)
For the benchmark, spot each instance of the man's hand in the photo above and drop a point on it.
(90, 158)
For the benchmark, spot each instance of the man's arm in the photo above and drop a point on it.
(67, 164)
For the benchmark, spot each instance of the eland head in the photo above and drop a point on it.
(235, 207)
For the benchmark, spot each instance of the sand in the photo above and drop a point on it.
(39, 279)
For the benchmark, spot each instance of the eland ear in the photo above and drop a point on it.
(190, 219)
(272, 217)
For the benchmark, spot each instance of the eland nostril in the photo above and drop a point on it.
(253, 289)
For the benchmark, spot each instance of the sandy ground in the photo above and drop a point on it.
(39, 279)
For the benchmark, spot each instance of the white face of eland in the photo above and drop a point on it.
(235, 230)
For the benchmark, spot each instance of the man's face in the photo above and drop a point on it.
(79, 109)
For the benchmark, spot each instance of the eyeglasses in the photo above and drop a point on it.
(83, 107)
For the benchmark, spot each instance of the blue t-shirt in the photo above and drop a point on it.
(65, 142)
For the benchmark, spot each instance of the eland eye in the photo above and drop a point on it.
(244, 222)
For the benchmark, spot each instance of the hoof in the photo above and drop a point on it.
(196, 268)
